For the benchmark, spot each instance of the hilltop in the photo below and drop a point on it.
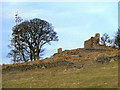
(92, 53)
(87, 69)
(94, 66)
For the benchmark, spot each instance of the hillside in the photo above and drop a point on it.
(93, 68)
(72, 58)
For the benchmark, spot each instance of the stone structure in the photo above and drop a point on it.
(93, 42)
(60, 50)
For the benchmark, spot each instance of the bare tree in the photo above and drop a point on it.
(105, 39)
(31, 36)
(117, 39)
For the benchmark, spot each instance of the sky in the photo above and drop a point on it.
(74, 22)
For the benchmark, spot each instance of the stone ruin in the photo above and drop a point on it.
(93, 42)
(60, 50)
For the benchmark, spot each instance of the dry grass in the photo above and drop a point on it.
(100, 76)
(92, 75)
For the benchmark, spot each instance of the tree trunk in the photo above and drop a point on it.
(32, 52)
(37, 46)
(31, 55)
(23, 56)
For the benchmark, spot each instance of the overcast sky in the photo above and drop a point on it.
(74, 22)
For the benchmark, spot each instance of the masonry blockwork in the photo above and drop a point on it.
(93, 42)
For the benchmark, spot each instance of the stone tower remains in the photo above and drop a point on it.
(60, 50)
(93, 42)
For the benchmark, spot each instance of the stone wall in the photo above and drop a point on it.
(89, 43)
(93, 42)
(39, 65)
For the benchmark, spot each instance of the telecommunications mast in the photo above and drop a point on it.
(17, 21)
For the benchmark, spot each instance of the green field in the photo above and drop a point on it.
(96, 76)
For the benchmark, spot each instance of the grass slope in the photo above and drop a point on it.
(97, 76)
(92, 74)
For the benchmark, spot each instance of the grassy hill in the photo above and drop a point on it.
(78, 68)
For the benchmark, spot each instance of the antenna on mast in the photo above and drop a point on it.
(17, 18)
(17, 21)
